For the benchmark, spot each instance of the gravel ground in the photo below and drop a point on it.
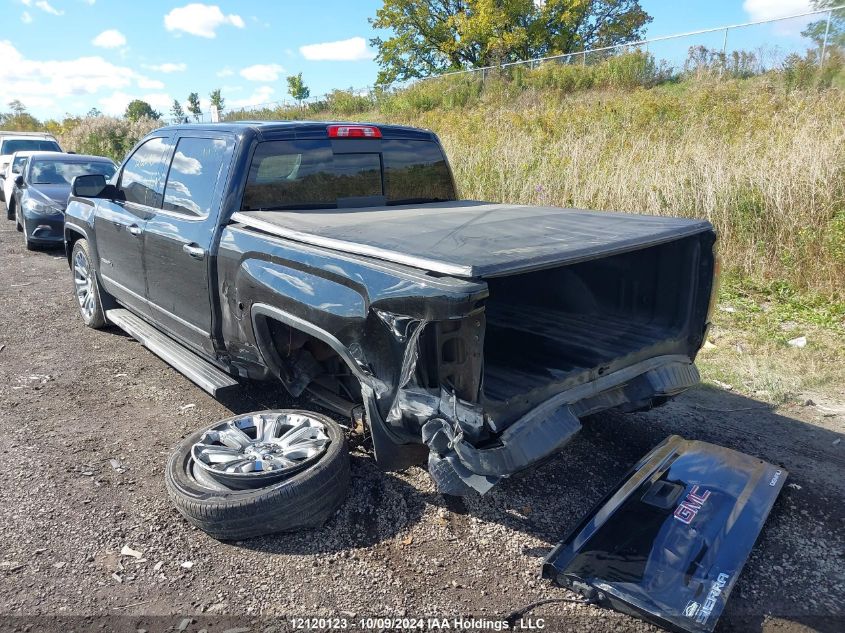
(87, 420)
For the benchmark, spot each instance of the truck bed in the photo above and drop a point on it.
(473, 239)
(521, 340)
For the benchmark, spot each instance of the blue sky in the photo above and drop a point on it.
(60, 56)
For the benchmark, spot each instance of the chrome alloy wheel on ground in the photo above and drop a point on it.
(84, 281)
(258, 449)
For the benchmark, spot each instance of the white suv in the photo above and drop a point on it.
(11, 142)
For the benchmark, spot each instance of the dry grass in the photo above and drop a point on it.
(763, 160)
(768, 170)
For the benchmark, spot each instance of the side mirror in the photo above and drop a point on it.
(88, 186)
(18, 181)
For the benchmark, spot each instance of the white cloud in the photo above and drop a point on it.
(25, 79)
(201, 20)
(112, 38)
(145, 83)
(47, 85)
(262, 72)
(353, 49)
(225, 72)
(160, 101)
(115, 103)
(262, 94)
(768, 9)
(47, 7)
(167, 67)
(26, 18)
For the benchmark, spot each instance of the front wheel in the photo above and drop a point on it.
(86, 287)
(10, 211)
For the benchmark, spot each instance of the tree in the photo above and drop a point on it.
(139, 109)
(19, 118)
(297, 88)
(442, 35)
(217, 100)
(177, 112)
(816, 30)
(94, 112)
(18, 108)
(194, 105)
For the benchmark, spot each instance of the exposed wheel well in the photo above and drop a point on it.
(304, 362)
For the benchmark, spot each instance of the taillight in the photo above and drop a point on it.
(353, 131)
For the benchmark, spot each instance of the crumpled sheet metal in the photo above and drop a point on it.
(524, 443)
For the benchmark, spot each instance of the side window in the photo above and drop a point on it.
(193, 175)
(17, 165)
(139, 180)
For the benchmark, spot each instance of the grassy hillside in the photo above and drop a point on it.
(761, 156)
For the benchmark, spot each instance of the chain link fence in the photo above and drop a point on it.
(738, 49)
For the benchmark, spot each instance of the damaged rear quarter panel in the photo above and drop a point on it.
(376, 310)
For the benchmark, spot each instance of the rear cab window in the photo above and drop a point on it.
(346, 173)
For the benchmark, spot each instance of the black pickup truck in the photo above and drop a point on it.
(337, 259)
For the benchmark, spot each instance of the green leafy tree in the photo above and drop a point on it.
(93, 112)
(297, 88)
(441, 35)
(139, 109)
(816, 30)
(217, 100)
(177, 112)
(194, 106)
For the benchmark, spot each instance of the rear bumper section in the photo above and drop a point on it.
(464, 455)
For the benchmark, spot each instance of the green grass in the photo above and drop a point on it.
(749, 350)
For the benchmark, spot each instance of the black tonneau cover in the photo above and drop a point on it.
(473, 239)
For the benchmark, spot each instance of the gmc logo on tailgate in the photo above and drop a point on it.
(692, 503)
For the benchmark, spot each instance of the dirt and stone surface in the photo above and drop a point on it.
(87, 419)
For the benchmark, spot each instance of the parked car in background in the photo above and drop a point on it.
(11, 142)
(15, 167)
(42, 189)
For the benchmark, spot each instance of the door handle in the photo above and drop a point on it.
(197, 252)
(135, 230)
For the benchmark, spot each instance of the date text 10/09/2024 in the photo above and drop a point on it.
(422, 624)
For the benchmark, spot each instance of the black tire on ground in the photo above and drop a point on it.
(10, 212)
(98, 318)
(18, 226)
(304, 500)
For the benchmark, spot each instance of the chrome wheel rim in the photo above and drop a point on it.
(258, 449)
(84, 282)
